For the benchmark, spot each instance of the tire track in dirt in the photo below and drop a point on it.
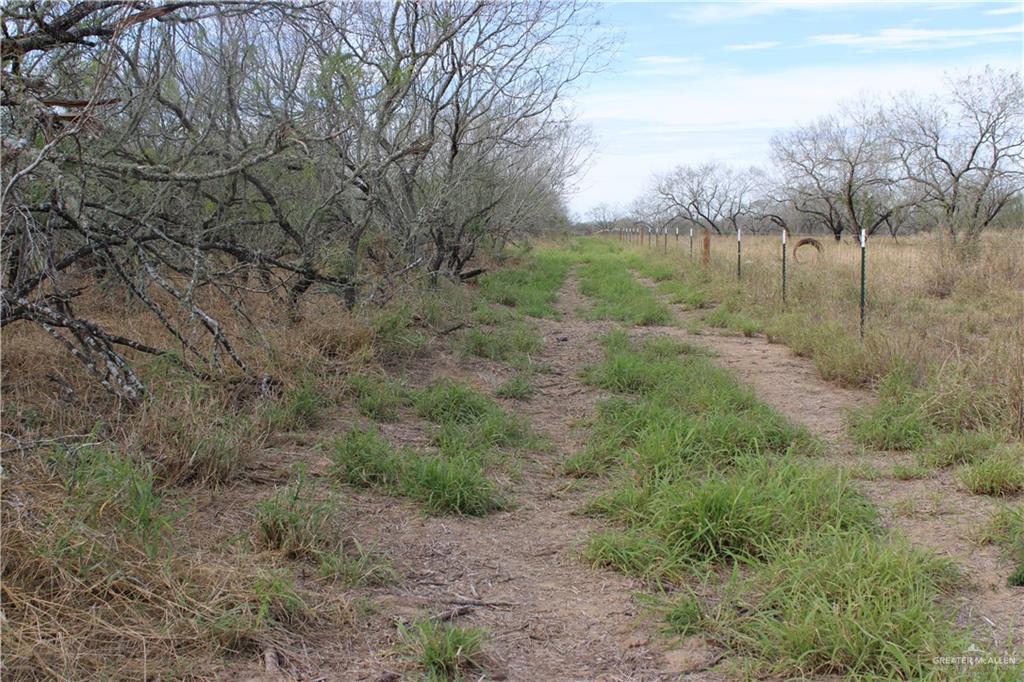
(516, 573)
(934, 513)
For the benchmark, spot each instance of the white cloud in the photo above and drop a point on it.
(919, 38)
(763, 45)
(725, 115)
(1016, 8)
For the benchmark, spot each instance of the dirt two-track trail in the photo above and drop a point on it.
(519, 573)
(933, 513)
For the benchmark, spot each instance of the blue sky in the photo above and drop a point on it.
(696, 81)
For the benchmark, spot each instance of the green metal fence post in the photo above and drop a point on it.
(783, 266)
(863, 277)
(739, 253)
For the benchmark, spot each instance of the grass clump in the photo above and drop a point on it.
(634, 552)
(377, 398)
(684, 293)
(363, 459)
(1000, 473)
(743, 516)
(299, 408)
(959, 447)
(447, 484)
(200, 440)
(514, 343)
(516, 388)
(394, 337)
(355, 566)
(587, 462)
(532, 289)
(469, 421)
(1006, 529)
(443, 651)
(896, 422)
(837, 354)
(684, 616)
(278, 600)
(618, 296)
(846, 604)
(724, 318)
(448, 402)
(452, 486)
(291, 522)
(110, 488)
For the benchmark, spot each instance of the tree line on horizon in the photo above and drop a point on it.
(951, 162)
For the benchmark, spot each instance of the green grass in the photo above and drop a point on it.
(363, 459)
(837, 354)
(532, 289)
(443, 651)
(291, 522)
(109, 488)
(491, 314)
(958, 447)
(395, 338)
(746, 514)
(299, 408)
(354, 566)
(1000, 473)
(896, 422)
(455, 485)
(377, 397)
(616, 295)
(516, 388)
(513, 342)
(684, 616)
(634, 552)
(684, 293)
(469, 421)
(1016, 578)
(705, 475)
(472, 433)
(278, 600)
(845, 604)
(448, 402)
(656, 266)
(1006, 529)
(724, 318)
(910, 472)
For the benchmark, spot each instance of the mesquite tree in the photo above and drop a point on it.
(188, 153)
(964, 160)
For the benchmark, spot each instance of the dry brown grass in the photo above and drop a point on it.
(957, 327)
(83, 599)
(86, 594)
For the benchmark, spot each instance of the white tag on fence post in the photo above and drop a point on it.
(863, 238)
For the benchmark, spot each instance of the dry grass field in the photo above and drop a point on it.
(568, 418)
(955, 328)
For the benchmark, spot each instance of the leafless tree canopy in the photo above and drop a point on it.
(953, 162)
(174, 149)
